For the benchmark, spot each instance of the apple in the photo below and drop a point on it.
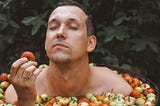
(93, 98)
(83, 100)
(119, 100)
(106, 100)
(83, 104)
(139, 89)
(57, 104)
(1, 91)
(145, 86)
(72, 98)
(151, 99)
(95, 103)
(119, 96)
(147, 91)
(149, 104)
(38, 99)
(1, 96)
(135, 82)
(135, 93)
(1, 102)
(113, 103)
(64, 101)
(3, 77)
(29, 55)
(92, 64)
(100, 97)
(128, 78)
(151, 95)
(43, 66)
(89, 95)
(73, 103)
(140, 101)
(110, 95)
(45, 97)
(129, 100)
(4, 84)
(104, 104)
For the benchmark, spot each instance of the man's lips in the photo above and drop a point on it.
(60, 45)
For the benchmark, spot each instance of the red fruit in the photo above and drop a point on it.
(48, 104)
(135, 82)
(1, 102)
(93, 104)
(135, 93)
(147, 91)
(28, 55)
(100, 97)
(104, 104)
(128, 78)
(83, 100)
(4, 84)
(150, 90)
(3, 77)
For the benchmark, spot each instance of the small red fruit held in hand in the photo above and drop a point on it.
(28, 55)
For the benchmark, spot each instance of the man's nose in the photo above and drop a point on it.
(61, 32)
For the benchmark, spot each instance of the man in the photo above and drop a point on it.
(69, 39)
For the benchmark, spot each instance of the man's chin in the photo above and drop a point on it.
(60, 60)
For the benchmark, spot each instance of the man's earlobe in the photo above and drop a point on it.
(91, 43)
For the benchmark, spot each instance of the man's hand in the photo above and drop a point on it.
(23, 75)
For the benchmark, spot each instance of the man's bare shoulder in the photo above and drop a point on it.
(111, 80)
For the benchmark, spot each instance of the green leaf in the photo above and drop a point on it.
(14, 24)
(139, 45)
(111, 60)
(126, 66)
(29, 20)
(108, 33)
(118, 21)
(154, 47)
(6, 3)
(3, 18)
(4, 25)
(36, 27)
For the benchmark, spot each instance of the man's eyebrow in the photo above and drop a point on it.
(74, 20)
(70, 20)
(51, 21)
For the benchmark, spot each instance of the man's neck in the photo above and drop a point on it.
(65, 79)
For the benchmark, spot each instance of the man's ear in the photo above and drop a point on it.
(91, 43)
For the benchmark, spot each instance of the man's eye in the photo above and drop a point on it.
(53, 28)
(73, 28)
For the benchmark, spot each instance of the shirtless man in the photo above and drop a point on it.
(69, 39)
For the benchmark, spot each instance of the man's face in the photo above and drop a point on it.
(66, 37)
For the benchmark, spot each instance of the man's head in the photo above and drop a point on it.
(68, 38)
(89, 24)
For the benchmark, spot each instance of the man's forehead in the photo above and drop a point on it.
(66, 10)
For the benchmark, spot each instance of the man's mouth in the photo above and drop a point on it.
(58, 44)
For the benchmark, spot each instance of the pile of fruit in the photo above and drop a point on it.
(142, 95)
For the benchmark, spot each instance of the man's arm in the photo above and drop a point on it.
(23, 75)
(10, 95)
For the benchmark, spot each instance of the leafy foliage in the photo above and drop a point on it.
(127, 32)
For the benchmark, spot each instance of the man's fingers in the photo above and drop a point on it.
(25, 67)
(36, 73)
(15, 66)
(28, 72)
